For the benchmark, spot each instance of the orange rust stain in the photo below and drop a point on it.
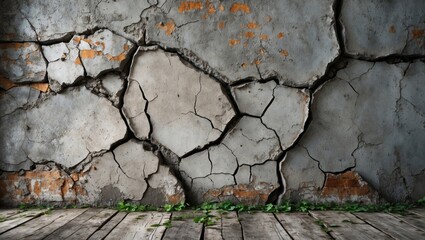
(37, 188)
(280, 35)
(221, 8)
(284, 52)
(89, 54)
(15, 46)
(250, 35)
(27, 59)
(42, 87)
(126, 47)
(243, 65)
(189, 6)
(6, 84)
(77, 61)
(120, 57)
(221, 25)
(418, 33)
(233, 42)
(75, 176)
(76, 39)
(175, 198)
(168, 27)
(345, 185)
(89, 41)
(262, 51)
(257, 62)
(392, 29)
(252, 25)
(98, 43)
(264, 37)
(240, 7)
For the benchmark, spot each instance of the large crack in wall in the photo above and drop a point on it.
(229, 101)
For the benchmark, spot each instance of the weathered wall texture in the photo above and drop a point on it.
(159, 101)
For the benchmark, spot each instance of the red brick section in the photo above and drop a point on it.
(348, 186)
(249, 194)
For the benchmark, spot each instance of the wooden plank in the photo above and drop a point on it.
(414, 220)
(343, 225)
(301, 226)
(18, 219)
(261, 226)
(184, 228)
(418, 211)
(43, 225)
(6, 213)
(109, 226)
(91, 225)
(74, 225)
(143, 225)
(392, 226)
(232, 228)
(214, 231)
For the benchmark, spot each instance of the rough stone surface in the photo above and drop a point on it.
(69, 135)
(251, 142)
(22, 62)
(381, 28)
(65, 65)
(301, 176)
(287, 114)
(168, 185)
(376, 127)
(293, 41)
(186, 105)
(348, 187)
(253, 98)
(104, 51)
(113, 85)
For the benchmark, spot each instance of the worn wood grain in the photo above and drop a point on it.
(18, 219)
(43, 225)
(261, 226)
(6, 213)
(343, 225)
(414, 220)
(214, 231)
(301, 226)
(418, 211)
(92, 224)
(74, 225)
(231, 227)
(108, 227)
(392, 226)
(184, 228)
(143, 225)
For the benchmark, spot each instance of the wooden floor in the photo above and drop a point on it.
(109, 224)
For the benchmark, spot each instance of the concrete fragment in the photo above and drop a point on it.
(253, 98)
(170, 188)
(197, 165)
(134, 110)
(265, 173)
(114, 86)
(287, 114)
(22, 62)
(251, 194)
(301, 176)
(292, 41)
(173, 107)
(17, 97)
(104, 51)
(251, 142)
(243, 175)
(222, 160)
(70, 134)
(370, 31)
(348, 187)
(65, 65)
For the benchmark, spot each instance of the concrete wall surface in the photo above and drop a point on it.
(157, 101)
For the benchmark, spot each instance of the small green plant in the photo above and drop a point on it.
(421, 202)
(323, 226)
(174, 207)
(128, 207)
(207, 218)
(2, 219)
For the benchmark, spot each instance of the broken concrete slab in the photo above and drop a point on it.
(113, 85)
(222, 159)
(173, 106)
(134, 110)
(253, 98)
(293, 41)
(17, 97)
(169, 188)
(65, 66)
(301, 176)
(287, 114)
(197, 165)
(251, 142)
(243, 175)
(22, 62)
(265, 173)
(104, 51)
(373, 126)
(369, 31)
(69, 135)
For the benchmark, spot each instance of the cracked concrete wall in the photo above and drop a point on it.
(160, 101)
